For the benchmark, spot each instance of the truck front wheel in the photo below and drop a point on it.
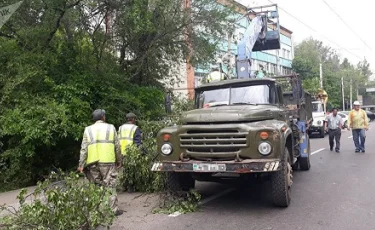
(176, 182)
(282, 181)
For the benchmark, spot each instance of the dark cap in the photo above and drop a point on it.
(130, 116)
(98, 114)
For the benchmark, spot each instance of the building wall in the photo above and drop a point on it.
(267, 59)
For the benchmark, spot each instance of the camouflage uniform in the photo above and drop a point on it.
(103, 174)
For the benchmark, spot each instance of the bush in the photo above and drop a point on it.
(68, 204)
(137, 172)
(138, 161)
(137, 167)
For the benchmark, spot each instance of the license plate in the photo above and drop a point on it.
(209, 167)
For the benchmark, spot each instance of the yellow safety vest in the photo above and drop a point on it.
(215, 76)
(101, 148)
(126, 136)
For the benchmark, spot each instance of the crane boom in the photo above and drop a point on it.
(245, 47)
(263, 33)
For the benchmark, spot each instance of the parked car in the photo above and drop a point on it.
(370, 115)
(344, 119)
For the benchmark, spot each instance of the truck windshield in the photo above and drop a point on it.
(255, 94)
(317, 107)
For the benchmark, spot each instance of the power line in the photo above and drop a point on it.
(312, 29)
(346, 24)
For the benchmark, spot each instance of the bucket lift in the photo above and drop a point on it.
(263, 33)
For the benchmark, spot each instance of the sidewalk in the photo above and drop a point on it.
(10, 197)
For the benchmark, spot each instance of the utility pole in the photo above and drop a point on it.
(357, 92)
(342, 91)
(321, 75)
(351, 92)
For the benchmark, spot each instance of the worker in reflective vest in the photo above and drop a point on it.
(100, 155)
(129, 133)
(216, 75)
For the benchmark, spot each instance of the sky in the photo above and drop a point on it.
(326, 26)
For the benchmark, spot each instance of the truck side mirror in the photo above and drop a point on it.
(168, 103)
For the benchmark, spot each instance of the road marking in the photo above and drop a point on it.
(220, 194)
(317, 151)
(350, 137)
(175, 214)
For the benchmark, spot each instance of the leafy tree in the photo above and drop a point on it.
(364, 68)
(155, 37)
(62, 59)
(308, 56)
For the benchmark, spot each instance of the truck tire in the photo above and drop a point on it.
(304, 162)
(282, 181)
(176, 182)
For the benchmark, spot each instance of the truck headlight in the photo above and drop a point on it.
(264, 148)
(166, 149)
(319, 122)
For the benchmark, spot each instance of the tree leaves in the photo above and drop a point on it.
(65, 204)
(62, 59)
(308, 56)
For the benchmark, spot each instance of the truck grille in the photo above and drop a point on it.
(213, 141)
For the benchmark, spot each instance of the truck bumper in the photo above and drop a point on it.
(245, 166)
(315, 129)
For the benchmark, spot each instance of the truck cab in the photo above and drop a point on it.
(319, 119)
(240, 127)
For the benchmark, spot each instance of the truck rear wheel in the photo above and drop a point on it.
(176, 182)
(282, 181)
(304, 162)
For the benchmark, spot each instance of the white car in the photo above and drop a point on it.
(344, 119)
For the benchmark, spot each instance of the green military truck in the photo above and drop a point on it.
(243, 127)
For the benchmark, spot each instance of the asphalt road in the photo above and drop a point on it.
(337, 193)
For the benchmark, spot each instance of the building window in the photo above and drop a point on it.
(273, 68)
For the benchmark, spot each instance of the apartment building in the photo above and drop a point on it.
(273, 62)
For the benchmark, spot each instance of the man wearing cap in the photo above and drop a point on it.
(358, 122)
(100, 155)
(129, 133)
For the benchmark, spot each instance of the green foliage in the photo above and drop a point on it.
(182, 203)
(138, 161)
(154, 34)
(67, 204)
(58, 64)
(308, 56)
(137, 172)
(181, 104)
